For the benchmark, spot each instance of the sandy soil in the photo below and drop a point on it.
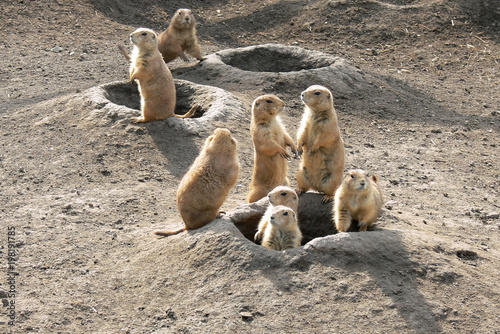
(82, 188)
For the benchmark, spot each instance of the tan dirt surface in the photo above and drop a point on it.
(82, 188)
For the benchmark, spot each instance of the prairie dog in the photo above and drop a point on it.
(283, 231)
(280, 195)
(358, 198)
(180, 36)
(270, 141)
(320, 142)
(207, 183)
(156, 84)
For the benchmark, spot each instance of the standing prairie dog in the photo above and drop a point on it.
(283, 231)
(358, 198)
(156, 84)
(319, 139)
(207, 183)
(180, 36)
(270, 141)
(281, 195)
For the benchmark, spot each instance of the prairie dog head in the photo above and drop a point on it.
(285, 196)
(221, 141)
(317, 98)
(266, 107)
(358, 180)
(144, 39)
(283, 217)
(183, 19)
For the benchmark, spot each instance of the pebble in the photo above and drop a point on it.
(56, 49)
(493, 215)
(466, 254)
(246, 316)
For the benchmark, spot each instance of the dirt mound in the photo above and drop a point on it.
(119, 101)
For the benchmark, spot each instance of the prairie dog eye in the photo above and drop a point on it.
(269, 101)
(352, 176)
(144, 33)
(317, 93)
(283, 194)
(285, 213)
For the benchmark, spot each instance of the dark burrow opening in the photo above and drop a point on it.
(127, 94)
(274, 59)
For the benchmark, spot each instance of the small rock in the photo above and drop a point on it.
(171, 314)
(56, 49)
(246, 316)
(492, 215)
(466, 254)
(3, 294)
(5, 302)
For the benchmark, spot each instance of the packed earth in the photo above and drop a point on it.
(416, 89)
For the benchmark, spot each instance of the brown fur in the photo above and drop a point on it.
(207, 183)
(358, 198)
(180, 36)
(319, 139)
(280, 195)
(270, 141)
(156, 84)
(283, 231)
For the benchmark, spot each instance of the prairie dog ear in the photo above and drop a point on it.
(374, 178)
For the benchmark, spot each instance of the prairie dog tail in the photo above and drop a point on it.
(190, 113)
(123, 51)
(166, 233)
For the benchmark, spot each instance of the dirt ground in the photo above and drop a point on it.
(81, 191)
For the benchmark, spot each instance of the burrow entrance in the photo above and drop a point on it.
(121, 100)
(127, 94)
(274, 58)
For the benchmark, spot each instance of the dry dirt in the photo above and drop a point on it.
(82, 188)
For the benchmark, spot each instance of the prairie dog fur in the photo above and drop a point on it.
(180, 36)
(281, 195)
(204, 188)
(358, 198)
(283, 231)
(320, 142)
(270, 141)
(156, 84)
